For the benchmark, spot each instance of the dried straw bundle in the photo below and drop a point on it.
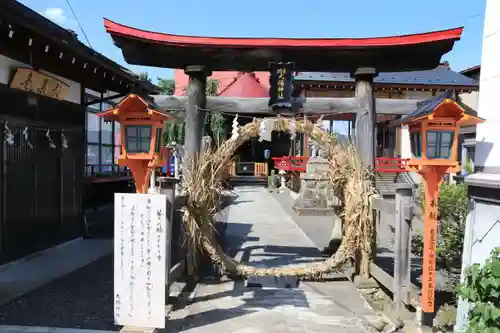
(352, 181)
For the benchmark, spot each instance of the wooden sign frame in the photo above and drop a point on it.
(30, 80)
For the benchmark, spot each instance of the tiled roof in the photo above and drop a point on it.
(471, 70)
(440, 76)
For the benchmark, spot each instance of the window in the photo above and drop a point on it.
(92, 127)
(416, 144)
(439, 144)
(138, 138)
(159, 140)
(103, 142)
(106, 132)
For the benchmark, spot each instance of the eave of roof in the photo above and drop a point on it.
(440, 76)
(425, 108)
(151, 106)
(31, 20)
(386, 54)
(471, 70)
(180, 40)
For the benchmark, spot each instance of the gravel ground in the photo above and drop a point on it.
(81, 299)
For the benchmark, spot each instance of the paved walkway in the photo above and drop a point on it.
(267, 236)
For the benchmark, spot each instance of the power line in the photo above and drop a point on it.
(78, 22)
(464, 19)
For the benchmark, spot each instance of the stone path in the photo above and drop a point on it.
(267, 236)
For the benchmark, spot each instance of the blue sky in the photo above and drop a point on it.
(264, 18)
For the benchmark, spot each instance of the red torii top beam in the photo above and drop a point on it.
(386, 54)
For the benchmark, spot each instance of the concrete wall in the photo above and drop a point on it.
(8, 67)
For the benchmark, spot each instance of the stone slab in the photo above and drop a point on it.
(301, 211)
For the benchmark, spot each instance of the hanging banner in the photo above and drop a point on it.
(280, 81)
(29, 80)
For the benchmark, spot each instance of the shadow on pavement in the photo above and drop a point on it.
(236, 302)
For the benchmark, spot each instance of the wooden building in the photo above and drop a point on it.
(46, 78)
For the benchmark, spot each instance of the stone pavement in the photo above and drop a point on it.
(263, 234)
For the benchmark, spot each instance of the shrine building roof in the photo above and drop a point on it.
(427, 107)
(440, 76)
(386, 54)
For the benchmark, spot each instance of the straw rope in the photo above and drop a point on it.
(350, 179)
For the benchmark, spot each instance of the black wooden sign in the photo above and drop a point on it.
(281, 89)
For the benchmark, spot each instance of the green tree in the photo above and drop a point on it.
(481, 289)
(144, 76)
(452, 213)
(167, 86)
(214, 122)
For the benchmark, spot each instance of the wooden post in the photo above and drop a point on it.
(402, 255)
(365, 139)
(195, 107)
(365, 116)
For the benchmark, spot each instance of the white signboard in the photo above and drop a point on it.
(140, 259)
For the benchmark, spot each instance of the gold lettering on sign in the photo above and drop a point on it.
(29, 80)
(281, 83)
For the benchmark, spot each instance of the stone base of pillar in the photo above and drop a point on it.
(362, 282)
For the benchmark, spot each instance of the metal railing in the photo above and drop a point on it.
(391, 164)
(111, 170)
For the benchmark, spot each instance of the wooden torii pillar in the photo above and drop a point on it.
(195, 112)
(195, 116)
(365, 142)
(365, 121)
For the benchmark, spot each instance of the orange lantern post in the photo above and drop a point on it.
(434, 129)
(141, 131)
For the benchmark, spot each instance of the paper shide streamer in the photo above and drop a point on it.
(235, 127)
(8, 136)
(64, 141)
(51, 143)
(293, 132)
(26, 138)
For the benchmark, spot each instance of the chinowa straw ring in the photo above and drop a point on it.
(350, 179)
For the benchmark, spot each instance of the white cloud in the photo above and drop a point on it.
(55, 14)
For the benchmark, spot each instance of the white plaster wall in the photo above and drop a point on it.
(405, 145)
(483, 220)
(487, 152)
(8, 67)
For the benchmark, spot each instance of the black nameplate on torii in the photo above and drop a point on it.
(280, 83)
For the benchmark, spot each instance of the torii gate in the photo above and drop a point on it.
(364, 58)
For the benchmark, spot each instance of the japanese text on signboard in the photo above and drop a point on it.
(140, 260)
(430, 264)
(41, 84)
(281, 89)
